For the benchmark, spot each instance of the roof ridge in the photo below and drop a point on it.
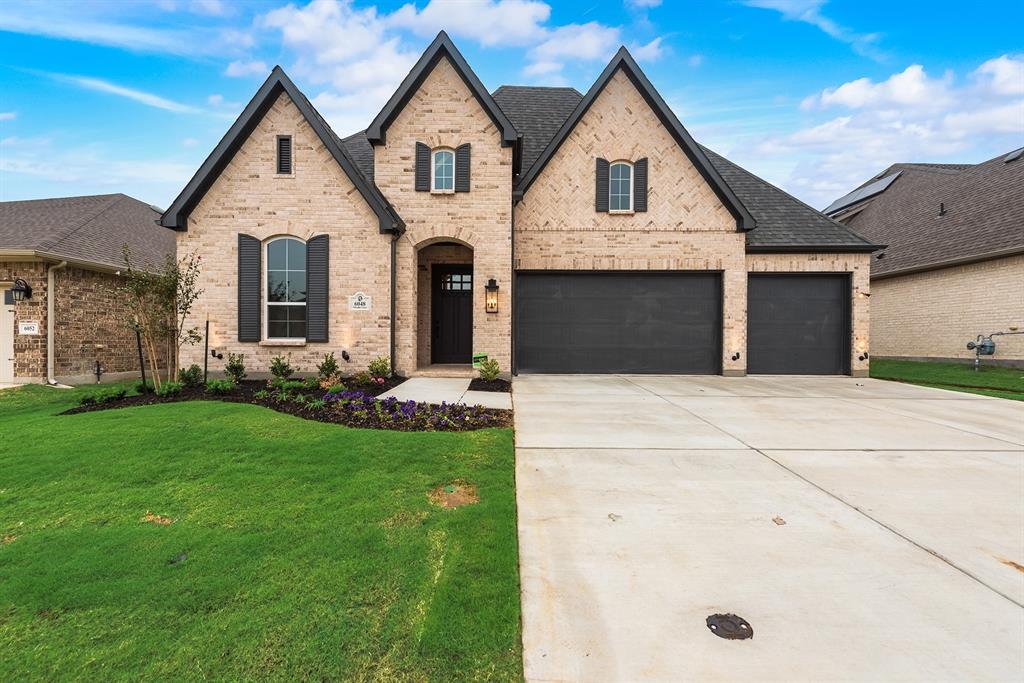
(59, 199)
(115, 199)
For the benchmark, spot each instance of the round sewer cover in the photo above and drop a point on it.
(730, 627)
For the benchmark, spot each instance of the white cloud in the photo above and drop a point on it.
(215, 100)
(906, 117)
(585, 42)
(148, 99)
(239, 68)
(912, 87)
(695, 60)
(542, 68)
(809, 12)
(213, 8)
(643, 3)
(489, 22)
(1003, 75)
(189, 142)
(650, 52)
(8, 115)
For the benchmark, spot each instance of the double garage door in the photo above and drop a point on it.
(671, 323)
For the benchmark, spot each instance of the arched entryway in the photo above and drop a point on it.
(444, 307)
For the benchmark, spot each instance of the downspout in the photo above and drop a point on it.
(394, 289)
(51, 300)
(512, 294)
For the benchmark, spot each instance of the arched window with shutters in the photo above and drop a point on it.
(620, 186)
(442, 170)
(285, 300)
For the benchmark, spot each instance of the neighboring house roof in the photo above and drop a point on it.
(88, 230)
(176, 215)
(981, 207)
(625, 62)
(442, 46)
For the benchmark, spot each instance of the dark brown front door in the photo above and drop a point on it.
(452, 323)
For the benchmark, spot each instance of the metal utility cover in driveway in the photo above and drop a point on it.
(798, 324)
(618, 322)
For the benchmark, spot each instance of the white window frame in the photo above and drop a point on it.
(433, 166)
(267, 303)
(629, 165)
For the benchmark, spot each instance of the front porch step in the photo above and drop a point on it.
(445, 370)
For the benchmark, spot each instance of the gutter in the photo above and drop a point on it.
(51, 301)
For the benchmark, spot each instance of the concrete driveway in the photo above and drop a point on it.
(867, 530)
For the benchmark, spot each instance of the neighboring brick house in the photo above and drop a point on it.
(71, 247)
(954, 265)
(552, 231)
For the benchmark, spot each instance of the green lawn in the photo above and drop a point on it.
(313, 552)
(989, 380)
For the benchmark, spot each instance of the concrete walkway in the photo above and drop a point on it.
(448, 390)
(867, 530)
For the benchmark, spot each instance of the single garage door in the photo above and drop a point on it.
(798, 324)
(618, 322)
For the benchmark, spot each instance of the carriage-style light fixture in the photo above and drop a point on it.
(21, 290)
(491, 296)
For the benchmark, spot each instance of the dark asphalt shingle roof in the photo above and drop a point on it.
(92, 229)
(782, 220)
(984, 206)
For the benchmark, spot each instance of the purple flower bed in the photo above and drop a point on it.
(364, 410)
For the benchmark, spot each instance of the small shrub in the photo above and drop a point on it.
(192, 377)
(300, 398)
(380, 367)
(220, 386)
(111, 395)
(362, 379)
(262, 394)
(87, 400)
(489, 370)
(143, 387)
(169, 389)
(281, 367)
(318, 404)
(311, 383)
(336, 389)
(292, 385)
(328, 382)
(329, 367)
(235, 367)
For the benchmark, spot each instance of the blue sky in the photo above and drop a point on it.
(814, 95)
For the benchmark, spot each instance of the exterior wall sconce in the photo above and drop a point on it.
(491, 296)
(21, 290)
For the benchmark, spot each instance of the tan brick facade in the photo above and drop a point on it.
(933, 314)
(89, 325)
(444, 113)
(318, 198)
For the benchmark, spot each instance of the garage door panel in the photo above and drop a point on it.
(618, 322)
(798, 324)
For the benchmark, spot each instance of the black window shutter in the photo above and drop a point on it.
(462, 168)
(422, 167)
(601, 193)
(317, 249)
(284, 155)
(640, 185)
(249, 258)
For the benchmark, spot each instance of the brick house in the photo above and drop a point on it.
(69, 251)
(954, 265)
(552, 231)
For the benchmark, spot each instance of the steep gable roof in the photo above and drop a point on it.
(537, 113)
(176, 215)
(936, 215)
(624, 61)
(91, 230)
(442, 46)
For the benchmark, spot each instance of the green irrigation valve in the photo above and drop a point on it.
(478, 358)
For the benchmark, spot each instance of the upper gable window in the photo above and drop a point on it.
(442, 178)
(284, 154)
(620, 186)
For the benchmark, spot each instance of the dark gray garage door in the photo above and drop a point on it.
(618, 322)
(798, 324)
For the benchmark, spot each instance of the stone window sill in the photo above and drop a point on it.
(283, 342)
(285, 175)
(442, 191)
(621, 213)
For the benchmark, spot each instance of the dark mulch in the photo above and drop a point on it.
(502, 385)
(359, 409)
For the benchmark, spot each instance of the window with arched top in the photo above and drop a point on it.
(285, 301)
(442, 173)
(620, 186)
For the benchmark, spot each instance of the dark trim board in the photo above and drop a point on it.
(797, 334)
(629, 322)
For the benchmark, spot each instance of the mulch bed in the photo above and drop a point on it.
(360, 412)
(502, 385)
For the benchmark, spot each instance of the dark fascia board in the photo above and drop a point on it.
(623, 60)
(814, 248)
(442, 46)
(177, 213)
